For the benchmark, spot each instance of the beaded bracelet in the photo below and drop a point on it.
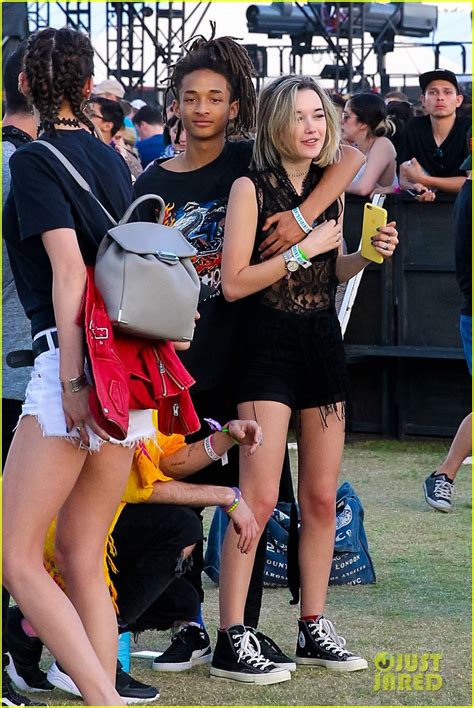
(238, 495)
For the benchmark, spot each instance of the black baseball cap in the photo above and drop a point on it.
(438, 75)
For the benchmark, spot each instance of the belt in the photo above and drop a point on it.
(42, 344)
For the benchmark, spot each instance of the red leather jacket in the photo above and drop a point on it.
(131, 373)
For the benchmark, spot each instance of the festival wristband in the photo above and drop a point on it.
(214, 424)
(302, 253)
(225, 429)
(217, 427)
(301, 221)
(299, 258)
(238, 495)
(210, 452)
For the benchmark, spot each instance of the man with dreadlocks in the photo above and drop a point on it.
(214, 98)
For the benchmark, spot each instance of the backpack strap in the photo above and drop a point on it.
(77, 177)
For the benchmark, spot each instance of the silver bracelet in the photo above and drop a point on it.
(74, 385)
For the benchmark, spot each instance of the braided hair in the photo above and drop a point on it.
(57, 65)
(225, 57)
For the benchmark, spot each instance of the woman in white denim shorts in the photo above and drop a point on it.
(59, 463)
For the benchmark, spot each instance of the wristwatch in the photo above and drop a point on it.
(290, 261)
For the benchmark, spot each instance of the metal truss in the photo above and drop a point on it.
(143, 39)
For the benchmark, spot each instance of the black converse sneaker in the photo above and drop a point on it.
(319, 645)
(273, 653)
(25, 655)
(10, 697)
(131, 691)
(190, 646)
(238, 656)
(439, 491)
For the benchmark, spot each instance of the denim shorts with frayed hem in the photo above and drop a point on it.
(43, 401)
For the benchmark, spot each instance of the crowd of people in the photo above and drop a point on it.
(257, 186)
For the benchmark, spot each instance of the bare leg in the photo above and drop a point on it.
(82, 526)
(460, 449)
(319, 459)
(259, 481)
(39, 475)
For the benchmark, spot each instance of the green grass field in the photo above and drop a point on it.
(420, 604)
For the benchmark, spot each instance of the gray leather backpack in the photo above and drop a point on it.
(144, 272)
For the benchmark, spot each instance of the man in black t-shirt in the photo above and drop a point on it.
(439, 486)
(210, 92)
(434, 145)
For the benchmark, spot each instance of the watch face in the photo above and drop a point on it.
(292, 266)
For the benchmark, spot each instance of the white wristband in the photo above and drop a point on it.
(301, 221)
(210, 452)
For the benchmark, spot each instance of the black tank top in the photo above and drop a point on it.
(307, 289)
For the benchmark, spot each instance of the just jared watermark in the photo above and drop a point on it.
(408, 672)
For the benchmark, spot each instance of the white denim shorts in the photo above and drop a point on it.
(43, 401)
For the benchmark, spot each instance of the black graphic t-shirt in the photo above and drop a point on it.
(196, 204)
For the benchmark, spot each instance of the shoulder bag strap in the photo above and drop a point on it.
(75, 175)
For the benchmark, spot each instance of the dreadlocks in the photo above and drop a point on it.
(225, 57)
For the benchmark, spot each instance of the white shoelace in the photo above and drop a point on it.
(443, 489)
(328, 637)
(249, 650)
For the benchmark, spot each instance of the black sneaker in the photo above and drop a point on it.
(190, 646)
(133, 692)
(273, 653)
(319, 645)
(439, 491)
(238, 656)
(25, 655)
(11, 698)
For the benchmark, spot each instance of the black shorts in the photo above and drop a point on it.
(293, 359)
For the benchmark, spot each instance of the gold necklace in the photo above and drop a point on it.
(298, 174)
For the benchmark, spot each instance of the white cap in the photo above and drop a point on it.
(137, 103)
(110, 86)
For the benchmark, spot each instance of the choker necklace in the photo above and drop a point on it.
(298, 174)
(72, 122)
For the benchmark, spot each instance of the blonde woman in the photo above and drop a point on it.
(293, 362)
(365, 125)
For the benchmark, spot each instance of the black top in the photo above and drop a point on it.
(45, 197)
(438, 161)
(196, 203)
(307, 289)
(463, 244)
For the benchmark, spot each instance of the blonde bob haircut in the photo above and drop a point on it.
(277, 120)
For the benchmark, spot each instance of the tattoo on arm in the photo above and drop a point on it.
(191, 448)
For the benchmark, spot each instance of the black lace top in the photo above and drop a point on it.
(307, 289)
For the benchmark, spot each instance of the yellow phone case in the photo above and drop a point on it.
(374, 217)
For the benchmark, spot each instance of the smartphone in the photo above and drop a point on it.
(415, 193)
(374, 217)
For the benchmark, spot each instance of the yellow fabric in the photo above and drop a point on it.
(145, 472)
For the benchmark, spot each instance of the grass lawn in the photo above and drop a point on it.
(420, 604)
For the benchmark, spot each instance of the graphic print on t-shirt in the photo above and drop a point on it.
(203, 226)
